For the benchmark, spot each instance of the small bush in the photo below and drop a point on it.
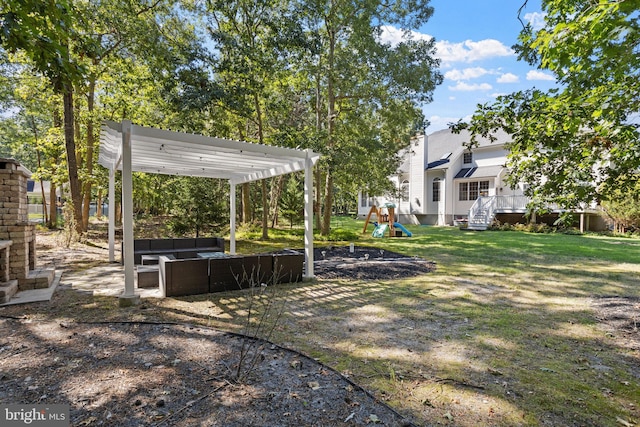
(339, 234)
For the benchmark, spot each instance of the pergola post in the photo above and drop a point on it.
(129, 296)
(112, 215)
(232, 218)
(129, 148)
(308, 217)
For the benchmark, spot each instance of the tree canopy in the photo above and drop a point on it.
(579, 142)
(298, 73)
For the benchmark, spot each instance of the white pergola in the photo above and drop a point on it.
(132, 148)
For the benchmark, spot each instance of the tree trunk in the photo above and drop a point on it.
(317, 206)
(331, 121)
(53, 205)
(328, 202)
(53, 196)
(265, 210)
(265, 202)
(246, 203)
(44, 196)
(276, 192)
(99, 205)
(70, 145)
(86, 205)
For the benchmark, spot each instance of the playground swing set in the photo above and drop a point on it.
(385, 221)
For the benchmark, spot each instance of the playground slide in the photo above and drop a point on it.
(401, 228)
(379, 230)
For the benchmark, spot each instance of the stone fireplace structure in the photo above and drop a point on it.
(18, 270)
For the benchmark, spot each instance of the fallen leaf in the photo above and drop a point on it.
(374, 418)
(494, 372)
(428, 403)
(314, 385)
(350, 417)
(625, 423)
(448, 416)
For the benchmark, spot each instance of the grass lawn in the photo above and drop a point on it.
(505, 332)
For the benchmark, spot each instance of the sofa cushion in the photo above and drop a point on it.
(161, 244)
(288, 267)
(226, 274)
(140, 245)
(185, 276)
(184, 243)
(259, 268)
(207, 242)
(185, 254)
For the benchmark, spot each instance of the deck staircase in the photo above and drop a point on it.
(484, 209)
(481, 214)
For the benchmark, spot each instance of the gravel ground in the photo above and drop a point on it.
(153, 374)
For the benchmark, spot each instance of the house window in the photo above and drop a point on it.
(436, 190)
(484, 188)
(363, 200)
(467, 158)
(464, 191)
(404, 191)
(471, 190)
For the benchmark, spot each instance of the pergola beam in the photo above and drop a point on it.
(132, 148)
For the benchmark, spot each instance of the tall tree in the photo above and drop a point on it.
(43, 30)
(370, 90)
(578, 143)
(252, 42)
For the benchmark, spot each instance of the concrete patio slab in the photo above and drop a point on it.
(35, 295)
(103, 280)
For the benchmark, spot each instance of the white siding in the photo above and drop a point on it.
(417, 164)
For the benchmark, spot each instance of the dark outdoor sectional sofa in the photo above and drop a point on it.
(180, 248)
(179, 277)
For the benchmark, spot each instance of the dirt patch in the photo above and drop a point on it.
(365, 263)
(153, 374)
(127, 373)
(134, 374)
(620, 316)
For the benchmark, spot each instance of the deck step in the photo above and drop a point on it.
(8, 290)
(39, 278)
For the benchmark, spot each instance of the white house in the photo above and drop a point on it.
(443, 183)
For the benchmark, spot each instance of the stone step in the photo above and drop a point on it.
(8, 290)
(39, 278)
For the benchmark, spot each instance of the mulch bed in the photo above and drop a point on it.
(364, 263)
(144, 374)
(620, 316)
(130, 374)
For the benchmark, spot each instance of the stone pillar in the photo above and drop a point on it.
(14, 219)
(5, 246)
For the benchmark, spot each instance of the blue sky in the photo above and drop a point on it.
(474, 39)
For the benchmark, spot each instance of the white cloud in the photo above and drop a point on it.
(393, 36)
(539, 75)
(465, 87)
(467, 51)
(497, 94)
(508, 78)
(438, 122)
(470, 51)
(452, 98)
(466, 74)
(536, 19)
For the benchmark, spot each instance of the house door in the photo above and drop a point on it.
(439, 186)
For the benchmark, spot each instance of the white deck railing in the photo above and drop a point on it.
(484, 209)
